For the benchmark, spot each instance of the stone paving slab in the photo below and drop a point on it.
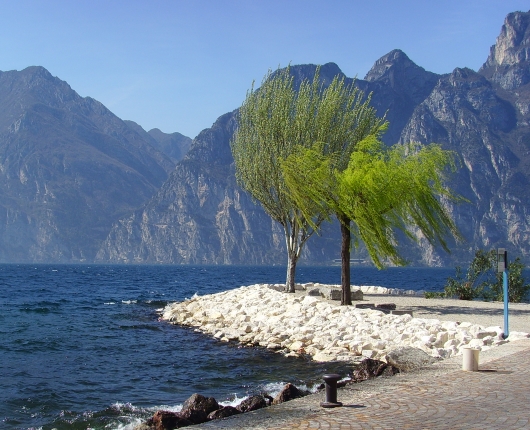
(495, 397)
(439, 397)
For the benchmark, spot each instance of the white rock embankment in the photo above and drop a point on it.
(259, 315)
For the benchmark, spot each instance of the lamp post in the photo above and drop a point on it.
(502, 266)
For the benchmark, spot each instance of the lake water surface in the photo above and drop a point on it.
(81, 346)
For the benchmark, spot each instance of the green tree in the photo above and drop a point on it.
(518, 289)
(380, 191)
(483, 281)
(277, 119)
(477, 280)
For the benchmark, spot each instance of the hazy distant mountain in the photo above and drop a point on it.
(174, 145)
(200, 215)
(79, 184)
(69, 168)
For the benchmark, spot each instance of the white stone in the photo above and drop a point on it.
(517, 335)
(476, 343)
(450, 343)
(368, 353)
(322, 356)
(295, 346)
(260, 315)
(481, 334)
(310, 301)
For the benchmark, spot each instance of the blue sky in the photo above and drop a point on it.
(178, 65)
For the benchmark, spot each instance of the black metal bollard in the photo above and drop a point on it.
(331, 391)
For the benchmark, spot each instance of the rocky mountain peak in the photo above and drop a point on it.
(398, 72)
(508, 64)
(302, 72)
(395, 59)
(513, 43)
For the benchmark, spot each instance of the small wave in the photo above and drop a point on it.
(124, 408)
(169, 408)
(156, 302)
(135, 423)
(122, 416)
(129, 302)
(136, 416)
(234, 401)
(193, 297)
(109, 303)
(274, 388)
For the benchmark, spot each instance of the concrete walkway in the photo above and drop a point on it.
(439, 397)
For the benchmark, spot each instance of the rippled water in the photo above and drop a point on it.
(82, 346)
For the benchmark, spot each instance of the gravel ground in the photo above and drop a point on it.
(486, 314)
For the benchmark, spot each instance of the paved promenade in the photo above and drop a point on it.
(496, 397)
(439, 397)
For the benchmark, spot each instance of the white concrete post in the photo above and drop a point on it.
(470, 359)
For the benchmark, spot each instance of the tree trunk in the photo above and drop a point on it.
(345, 260)
(291, 270)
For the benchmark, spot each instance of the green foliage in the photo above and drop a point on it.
(433, 295)
(381, 190)
(276, 121)
(517, 289)
(477, 279)
(482, 281)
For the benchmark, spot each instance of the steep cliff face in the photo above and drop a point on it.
(508, 62)
(201, 216)
(464, 114)
(71, 171)
(397, 85)
(484, 117)
(68, 169)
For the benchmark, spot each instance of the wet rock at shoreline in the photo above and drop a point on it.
(252, 403)
(165, 420)
(288, 392)
(197, 408)
(224, 412)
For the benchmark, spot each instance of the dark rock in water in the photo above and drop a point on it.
(224, 412)
(252, 403)
(164, 420)
(370, 368)
(197, 408)
(288, 392)
(408, 358)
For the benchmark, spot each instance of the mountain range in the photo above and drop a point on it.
(78, 184)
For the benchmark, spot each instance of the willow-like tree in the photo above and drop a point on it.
(382, 190)
(276, 120)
